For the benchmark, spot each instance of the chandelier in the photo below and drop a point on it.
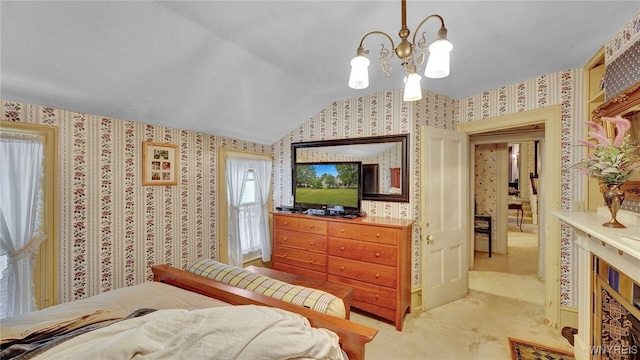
(411, 55)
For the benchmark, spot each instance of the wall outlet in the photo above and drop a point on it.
(578, 206)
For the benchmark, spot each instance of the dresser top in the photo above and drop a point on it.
(365, 220)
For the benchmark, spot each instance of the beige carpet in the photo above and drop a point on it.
(499, 305)
(522, 251)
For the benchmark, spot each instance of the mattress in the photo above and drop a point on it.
(117, 303)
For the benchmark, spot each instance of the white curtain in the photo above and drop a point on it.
(249, 216)
(20, 220)
(262, 173)
(236, 176)
(248, 221)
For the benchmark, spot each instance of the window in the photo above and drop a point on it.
(45, 273)
(21, 202)
(250, 213)
(244, 188)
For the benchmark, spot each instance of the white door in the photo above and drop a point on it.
(444, 218)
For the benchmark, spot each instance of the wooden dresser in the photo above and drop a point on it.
(372, 255)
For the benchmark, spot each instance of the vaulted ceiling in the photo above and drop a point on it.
(255, 70)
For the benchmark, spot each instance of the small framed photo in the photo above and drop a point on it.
(159, 164)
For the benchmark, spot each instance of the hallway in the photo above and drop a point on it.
(513, 274)
(522, 257)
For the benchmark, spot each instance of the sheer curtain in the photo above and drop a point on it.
(236, 173)
(248, 214)
(20, 220)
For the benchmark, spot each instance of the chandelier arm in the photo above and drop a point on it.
(380, 33)
(385, 54)
(424, 21)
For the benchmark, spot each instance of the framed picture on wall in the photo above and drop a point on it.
(159, 164)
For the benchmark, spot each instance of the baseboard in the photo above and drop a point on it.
(416, 298)
(257, 261)
(568, 317)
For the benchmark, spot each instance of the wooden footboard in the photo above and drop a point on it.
(353, 336)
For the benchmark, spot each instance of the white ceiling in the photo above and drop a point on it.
(257, 70)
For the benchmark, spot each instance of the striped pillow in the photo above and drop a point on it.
(314, 299)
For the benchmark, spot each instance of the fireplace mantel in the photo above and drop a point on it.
(617, 247)
(607, 242)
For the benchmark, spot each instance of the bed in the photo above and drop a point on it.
(184, 315)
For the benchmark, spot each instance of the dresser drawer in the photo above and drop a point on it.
(345, 230)
(367, 293)
(290, 269)
(381, 235)
(313, 226)
(364, 251)
(306, 259)
(285, 222)
(362, 271)
(310, 242)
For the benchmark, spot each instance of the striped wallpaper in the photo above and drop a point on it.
(113, 228)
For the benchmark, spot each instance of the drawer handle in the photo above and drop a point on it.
(285, 239)
(341, 248)
(377, 296)
(311, 261)
(341, 268)
(377, 276)
(312, 243)
(284, 256)
(342, 231)
(378, 235)
(286, 223)
(377, 254)
(312, 226)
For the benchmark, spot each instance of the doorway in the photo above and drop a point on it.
(517, 248)
(548, 121)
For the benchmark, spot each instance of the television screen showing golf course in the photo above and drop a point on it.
(331, 184)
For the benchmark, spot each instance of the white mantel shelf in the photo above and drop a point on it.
(610, 245)
(591, 224)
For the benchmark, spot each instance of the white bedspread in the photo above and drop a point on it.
(238, 332)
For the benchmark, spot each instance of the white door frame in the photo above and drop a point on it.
(551, 118)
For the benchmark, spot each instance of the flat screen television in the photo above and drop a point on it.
(328, 185)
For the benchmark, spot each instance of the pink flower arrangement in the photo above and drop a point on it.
(610, 162)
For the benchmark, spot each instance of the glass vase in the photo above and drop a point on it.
(613, 198)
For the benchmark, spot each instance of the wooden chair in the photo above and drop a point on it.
(482, 225)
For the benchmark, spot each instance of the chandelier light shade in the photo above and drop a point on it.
(411, 55)
(412, 89)
(438, 63)
(359, 78)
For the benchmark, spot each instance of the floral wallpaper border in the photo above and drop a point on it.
(622, 40)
